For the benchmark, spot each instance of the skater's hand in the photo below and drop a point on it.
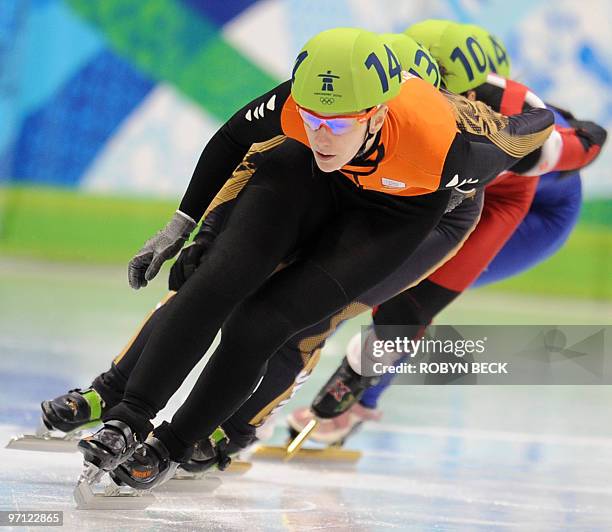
(158, 249)
(190, 257)
(187, 262)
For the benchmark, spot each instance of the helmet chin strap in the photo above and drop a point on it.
(366, 139)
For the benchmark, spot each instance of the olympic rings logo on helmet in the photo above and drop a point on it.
(344, 69)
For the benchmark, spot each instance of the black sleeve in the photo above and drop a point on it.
(492, 95)
(475, 160)
(256, 122)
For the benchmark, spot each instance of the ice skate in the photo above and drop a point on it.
(149, 466)
(64, 421)
(215, 452)
(338, 395)
(72, 410)
(112, 445)
(345, 387)
(112, 496)
(335, 431)
(102, 452)
(331, 433)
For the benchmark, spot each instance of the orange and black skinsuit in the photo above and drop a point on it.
(507, 201)
(354, 228)
(505, 204)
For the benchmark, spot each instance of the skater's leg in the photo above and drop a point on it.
(410, 312)
(282, 203)
(336, 405)
(286, 371)
(551, 219)
(111, 384)
(77, 406)
(261, 324)
(80, 407)
(292, 364)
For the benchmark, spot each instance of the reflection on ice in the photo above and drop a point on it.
(450, 458)
(426, 477)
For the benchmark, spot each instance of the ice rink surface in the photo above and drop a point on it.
(443, 458)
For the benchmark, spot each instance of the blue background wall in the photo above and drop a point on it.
(121, 95)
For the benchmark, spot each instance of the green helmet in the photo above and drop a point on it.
(497, 55)
(345, 70)
(413, 57)
(462, 60)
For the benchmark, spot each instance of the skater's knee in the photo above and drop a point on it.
(257, 328)
(413, 309)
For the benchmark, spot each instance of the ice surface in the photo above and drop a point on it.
(425, 477)
(443, 458)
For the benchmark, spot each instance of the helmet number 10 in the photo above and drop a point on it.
(395, 70)
(478, 56)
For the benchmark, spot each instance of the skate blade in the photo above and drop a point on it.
(44, 441)
(186, 482)
(49, 444)
(328, 454)
(296, 444)
(237, 468)
(112, 499)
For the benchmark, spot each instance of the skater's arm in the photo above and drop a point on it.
(489, 143)
(582, 143)
(258, 121)
(567, 149)
(217, 213)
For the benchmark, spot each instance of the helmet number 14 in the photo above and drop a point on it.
(395, 70)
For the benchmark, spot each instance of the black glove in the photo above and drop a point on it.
(188, 261)
(589, 133)
(191, 256)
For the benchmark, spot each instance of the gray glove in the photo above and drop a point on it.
(457, 197)
(158, 249)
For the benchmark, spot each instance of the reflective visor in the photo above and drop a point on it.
(338, 124)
